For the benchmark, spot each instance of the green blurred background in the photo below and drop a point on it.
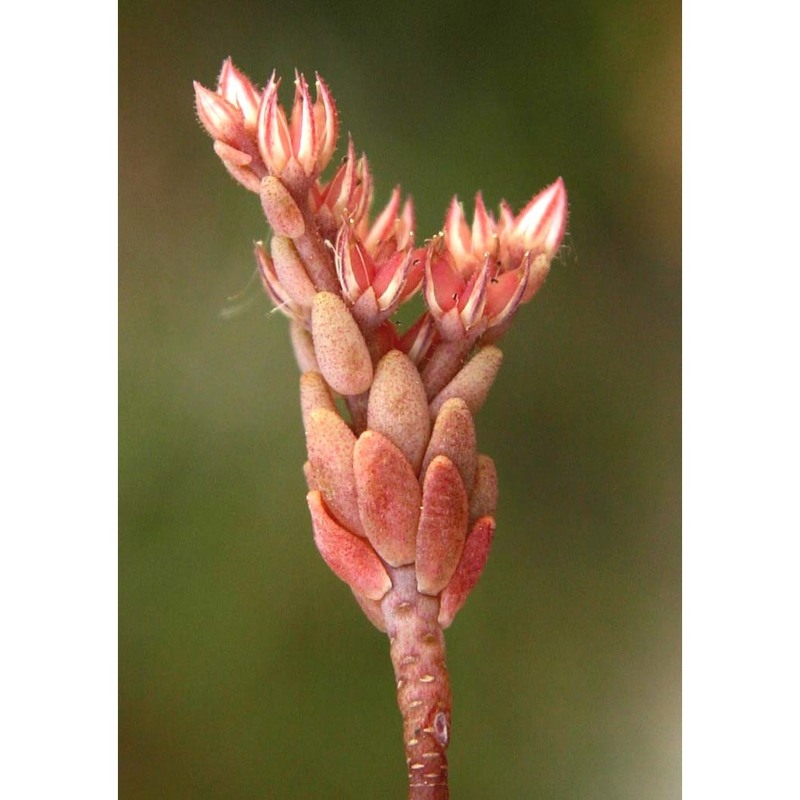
(245, 668)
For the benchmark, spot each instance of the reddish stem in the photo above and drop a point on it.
(423, 685)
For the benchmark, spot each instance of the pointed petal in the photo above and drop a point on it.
(442, 526)
(303, 133)
(468, 571)
(350, 557)
(221, 119)
(274, 142)
(384, 225)
(456, 232)
(326, 123)
(354, 265)
(506, 292)
(482, 227)
(541, 224)
(388, 497)
(390, 279)
(417, 340)
(472, 310)
(237, 88)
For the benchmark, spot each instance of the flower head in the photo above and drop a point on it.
(476, 277)
(379, 267)
(253, 136)
(299, 148)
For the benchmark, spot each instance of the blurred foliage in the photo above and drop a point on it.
(246, 670)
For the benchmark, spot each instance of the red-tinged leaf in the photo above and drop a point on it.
(341, 351)
(281, 211)
(350, 557)
(398, 407)
(330, 444)
(483, 497)
(442, 526)
(473, 560)
(372, 610)
(454, 436)
(388, 497)
(473, 381)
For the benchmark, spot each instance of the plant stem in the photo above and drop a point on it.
(423, 685)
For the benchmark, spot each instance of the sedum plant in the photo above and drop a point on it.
(402, 503)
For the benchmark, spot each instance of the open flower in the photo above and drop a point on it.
(380, 267)
(476, 278)
(346, 197)
(253, 136)
(299, 148)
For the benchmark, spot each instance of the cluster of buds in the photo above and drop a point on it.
(401, 501)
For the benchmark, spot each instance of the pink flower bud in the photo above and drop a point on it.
(221, 118)
(469, 569)
(398, 407)
(350, 557)
(341, 351)
(237, 89)
(442, 526)
(388, 497)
